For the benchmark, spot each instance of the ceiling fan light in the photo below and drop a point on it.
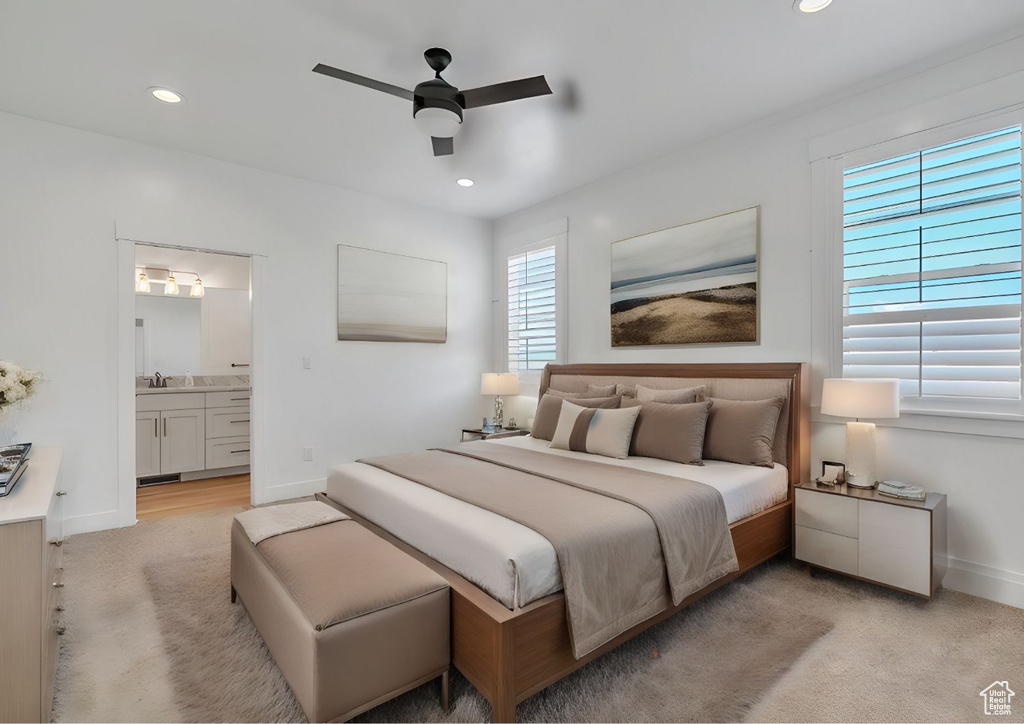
(171, 288)
(811, 6)
(142, 285)
(437, 122)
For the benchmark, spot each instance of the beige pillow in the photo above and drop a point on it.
(742, 431)
(628, 392)
(594, 430)
(592, 391)
(679, 396)
(670, 431)
(546, 419)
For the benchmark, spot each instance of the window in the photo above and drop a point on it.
(932, 273)
(532, 308)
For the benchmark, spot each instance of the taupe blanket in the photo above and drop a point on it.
(624, 538)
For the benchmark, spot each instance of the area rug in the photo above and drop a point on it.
(152, 636)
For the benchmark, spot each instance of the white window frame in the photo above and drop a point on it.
(949, 133)
(560, 242)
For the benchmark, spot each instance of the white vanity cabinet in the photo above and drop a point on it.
(183, 441)
(147, 443)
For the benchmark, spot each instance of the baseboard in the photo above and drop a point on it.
(92, 522)
(274, 493)
(985, 582)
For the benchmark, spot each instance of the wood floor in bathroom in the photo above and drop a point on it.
(159, 501)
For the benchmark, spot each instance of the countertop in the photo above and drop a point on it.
(204, 383)
(197, 388)
(33, 494)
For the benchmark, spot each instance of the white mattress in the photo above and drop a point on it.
(513, 563)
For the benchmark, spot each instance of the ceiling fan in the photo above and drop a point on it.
(437, 105)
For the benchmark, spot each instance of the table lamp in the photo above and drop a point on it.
(857, 398)
(498, 384)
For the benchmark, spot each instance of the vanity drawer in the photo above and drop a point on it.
(228, 399)
(825, 512)
(227, 422)
(161, 401)
(227, 452)
(827, 550)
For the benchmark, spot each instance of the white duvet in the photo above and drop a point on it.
(511, 562)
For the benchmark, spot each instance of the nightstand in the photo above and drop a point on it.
(492, 434)
(858, 532)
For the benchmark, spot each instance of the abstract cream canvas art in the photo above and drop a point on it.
(690, 284)
(385, 297)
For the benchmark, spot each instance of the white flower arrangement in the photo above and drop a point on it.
(17, 384)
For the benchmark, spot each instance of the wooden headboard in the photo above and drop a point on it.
(797, 444)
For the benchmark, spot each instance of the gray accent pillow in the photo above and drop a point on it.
(670, 431)
(550, 406)
(742, 431)
(679, 396)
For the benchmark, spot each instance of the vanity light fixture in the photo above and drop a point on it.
(172, 285)
(166, 95)
(197, 288)
(142, 285)
(811, 6)
(465, 182)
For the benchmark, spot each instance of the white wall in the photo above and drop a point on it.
(768, 164)
(61, 193)
(173, 333)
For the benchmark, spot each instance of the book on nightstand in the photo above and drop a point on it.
(896, 489)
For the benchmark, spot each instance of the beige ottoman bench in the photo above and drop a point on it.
(350, 620)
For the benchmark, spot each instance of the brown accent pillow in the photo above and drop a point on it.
(742, 431)
(550, 406)
(682, 395)
(670, 431)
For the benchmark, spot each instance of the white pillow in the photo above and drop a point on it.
(595, 430)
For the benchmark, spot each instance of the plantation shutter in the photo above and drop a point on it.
(932, 269)
(531, 310)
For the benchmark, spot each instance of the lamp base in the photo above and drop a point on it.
(860, 454)
(499, 413)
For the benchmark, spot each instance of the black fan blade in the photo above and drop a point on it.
(513, 90)
(360, 80)
(443, 146)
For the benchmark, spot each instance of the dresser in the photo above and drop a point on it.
(894, 542)
(30, 589)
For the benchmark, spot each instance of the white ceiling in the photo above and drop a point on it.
(222, 271)
(632, 80)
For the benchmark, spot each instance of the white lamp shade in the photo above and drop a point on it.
(499, 383)
(867, 398)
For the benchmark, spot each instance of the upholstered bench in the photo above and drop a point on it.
(350, 620)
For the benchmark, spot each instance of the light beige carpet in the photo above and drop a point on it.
(152, 636)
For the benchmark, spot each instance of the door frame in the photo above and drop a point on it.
(126, 481)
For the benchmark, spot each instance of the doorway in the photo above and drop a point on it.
(191, 342)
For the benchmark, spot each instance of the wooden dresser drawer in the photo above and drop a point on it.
(906, 569)
(227, 422)
(827, 550)
(826, 512)
(893, 526)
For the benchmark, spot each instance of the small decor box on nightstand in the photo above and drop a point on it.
(479, 433)
(898, 543)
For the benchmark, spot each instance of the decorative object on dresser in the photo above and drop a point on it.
(690, 284)
(857, 398)
(386, 297)
(13, 463)
(498, 384)
(861, 533)
(30, 590)
(17, 384)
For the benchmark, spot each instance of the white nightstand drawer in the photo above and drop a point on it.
(893, 526)
(826, 549)
(826, 512)
(906, 569)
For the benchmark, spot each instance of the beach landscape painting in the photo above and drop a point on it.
(386, 297)
(691, 284)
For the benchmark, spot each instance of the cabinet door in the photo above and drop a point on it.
(182, 441)
(147, 444)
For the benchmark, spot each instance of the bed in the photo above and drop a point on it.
(510, 632)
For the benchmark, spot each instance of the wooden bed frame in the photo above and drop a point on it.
(511, 655)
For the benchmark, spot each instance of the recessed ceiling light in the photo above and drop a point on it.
(166, 95)
(811, 6)
(467, 182)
